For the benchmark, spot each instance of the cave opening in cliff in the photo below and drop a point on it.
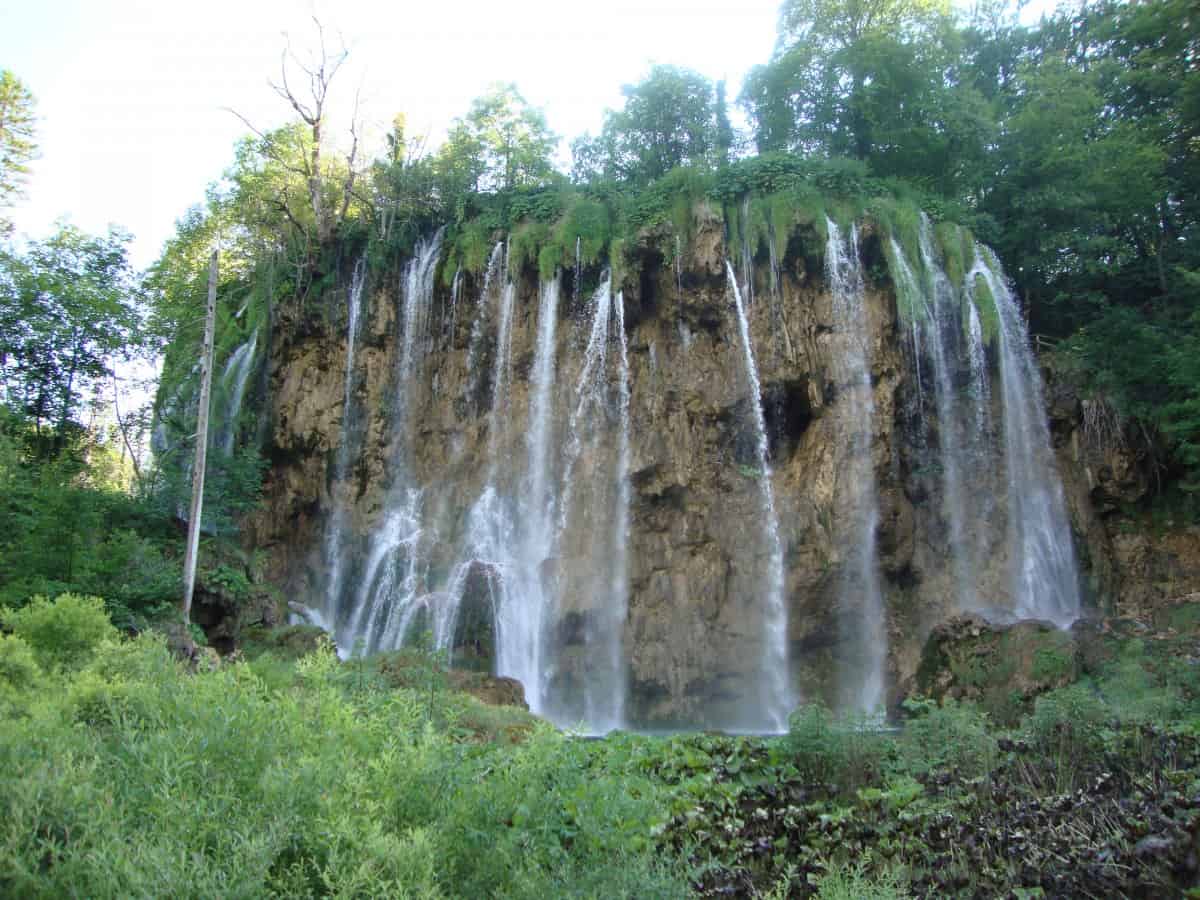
(788, 413)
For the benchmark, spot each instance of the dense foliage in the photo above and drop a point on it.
(291, 774)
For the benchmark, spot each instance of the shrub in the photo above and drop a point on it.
(1135, 696)
(851, 882)
(1067, 726)
(63, 632)
(844, 752)
(19, 672)
(18, 668)
(816, 744)
(950, 736)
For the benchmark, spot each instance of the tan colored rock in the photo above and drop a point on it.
(693, 634)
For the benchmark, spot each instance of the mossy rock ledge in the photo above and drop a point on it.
(1001, 667)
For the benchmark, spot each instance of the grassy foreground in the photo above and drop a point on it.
(123, 773)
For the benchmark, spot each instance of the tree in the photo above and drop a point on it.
(192, 550)
(669, 119)
(17, 145)
(882, 81)
(500, 144)
(68, 310)
(328, 185)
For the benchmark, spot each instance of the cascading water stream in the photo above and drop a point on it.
(333, 551)
(501, 375)
(613, 714)
(775, 699)
(936, 323)
(590, 383)
(862, 597)
(480, 324)
(235, 377)
(590, 541)
(1043, 574)
(455, 290)
(515, 539)
(393, 575)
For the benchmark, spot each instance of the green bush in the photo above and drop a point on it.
(841, 752)
(816, 744)
(18, 667)
(953, 736)
(19, 672)
(852, 882)
(63, 632)
(1067, 727)
(1135, 696)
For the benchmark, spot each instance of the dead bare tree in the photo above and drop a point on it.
(310, 103)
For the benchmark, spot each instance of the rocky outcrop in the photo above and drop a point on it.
(1000, 667)
(1137, 563)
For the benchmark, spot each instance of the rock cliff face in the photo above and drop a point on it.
(691, 636)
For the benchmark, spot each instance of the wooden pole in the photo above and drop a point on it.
(206, 361)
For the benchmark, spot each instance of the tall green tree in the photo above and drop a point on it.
(68, 311)
(17, 144)
(670, 119)
(877, 80)
(500, 144)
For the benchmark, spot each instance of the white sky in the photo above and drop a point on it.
(131, 93)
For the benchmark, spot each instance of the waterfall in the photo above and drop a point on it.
(774, 696)
(613, 716)
(862, 598)
(747, 264)
(591, 542)
(678, 265)
(455, 289)
(948, 331)
(502, 373)
(480, 323)
(936, 327)
(234, 378)
(392, 576)
(333, 551)
(1043, 575)
(578, 266)
(516, 540)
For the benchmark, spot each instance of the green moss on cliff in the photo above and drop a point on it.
(985, 305)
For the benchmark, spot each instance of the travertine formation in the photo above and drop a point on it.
(692, 635)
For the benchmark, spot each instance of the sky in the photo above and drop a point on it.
(134, 97)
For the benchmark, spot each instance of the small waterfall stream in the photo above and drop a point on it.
(234, 377)
(513, 536)
(391, 581)
(775, 696)
(1043, 572)
(334, 552)
(947, 331)
(590, 543)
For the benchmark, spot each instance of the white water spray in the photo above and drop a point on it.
(862, 598)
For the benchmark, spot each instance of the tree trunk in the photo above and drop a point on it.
(197, 510)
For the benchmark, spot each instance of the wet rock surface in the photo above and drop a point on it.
(693, 635)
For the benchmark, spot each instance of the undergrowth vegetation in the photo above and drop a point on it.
(287, 772)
